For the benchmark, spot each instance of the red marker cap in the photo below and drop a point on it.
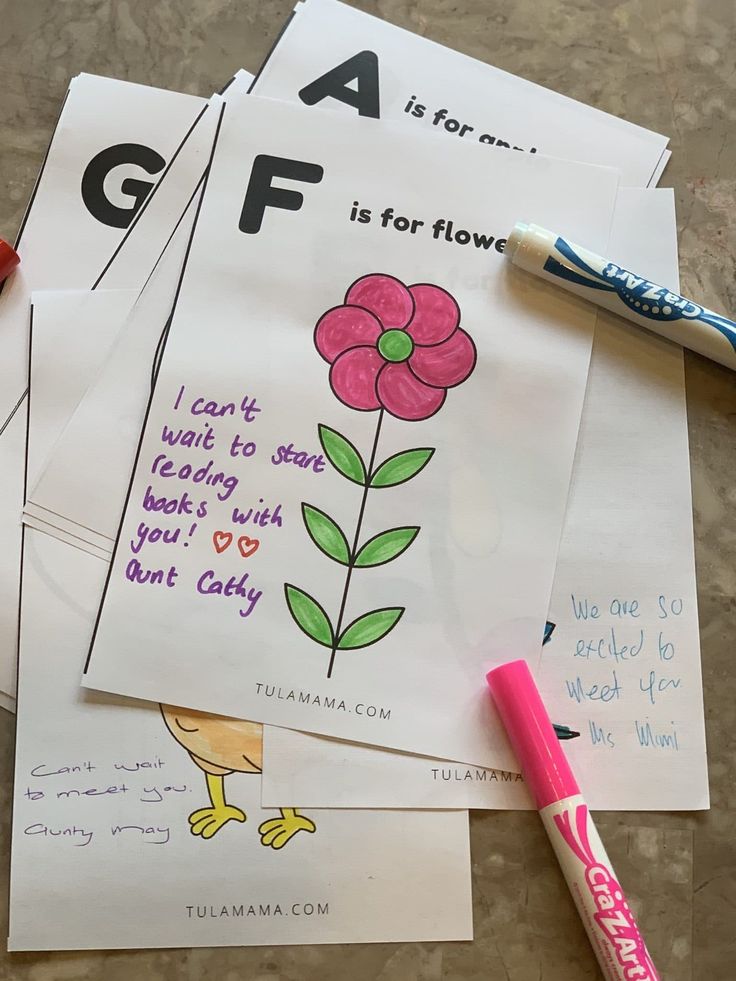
(9, 259)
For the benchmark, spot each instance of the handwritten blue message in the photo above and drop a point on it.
(622, 650)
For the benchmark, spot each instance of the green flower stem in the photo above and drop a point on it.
(354, 550)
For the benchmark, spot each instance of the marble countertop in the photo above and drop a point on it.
(669, 65)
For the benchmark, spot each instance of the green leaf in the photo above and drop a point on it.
(369, 628)
(342, 454)
(326, 534)
(309, 615)
(384, 547)
(401, 467)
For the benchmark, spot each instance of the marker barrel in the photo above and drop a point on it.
(600, 900)
(634, 297)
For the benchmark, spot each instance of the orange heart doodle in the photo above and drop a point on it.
(221, 540)
(247, 545)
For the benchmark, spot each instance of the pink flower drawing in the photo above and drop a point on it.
(395, 347)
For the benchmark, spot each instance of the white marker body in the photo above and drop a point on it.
(599, 898)
(636, 298)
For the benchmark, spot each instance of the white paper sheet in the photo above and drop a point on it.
(335, 57)
(84, 327)
(107, 801)
(624, 538)
(130, 872)
(660, 168)
(114, 402)
(12, 456)
(52, 528)
(628, 549)
(36, 516)
(352, 775)
(98, 114)
(136, 256)
(524, 399)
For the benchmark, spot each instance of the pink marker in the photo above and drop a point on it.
(601, 903)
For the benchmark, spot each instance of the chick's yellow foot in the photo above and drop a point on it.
(276, 832)
(207, 821)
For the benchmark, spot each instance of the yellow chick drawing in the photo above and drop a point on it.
(221, 746)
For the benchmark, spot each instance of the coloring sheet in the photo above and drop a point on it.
(349, 442)
(124, 161)
(180, 183)
(622, 663)
(85, 325)
(12, 455)
(155, 802)
(332, 56)
(114, 401)
(127, 791)
(112, 142)
(56, 499)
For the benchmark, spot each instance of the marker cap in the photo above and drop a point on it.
(9, 259)
(532, 736)
(515, 240)
(529, 247)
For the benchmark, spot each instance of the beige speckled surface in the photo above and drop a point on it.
(667, 64)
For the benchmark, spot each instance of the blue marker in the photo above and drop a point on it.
(564, 732)
(634, 297)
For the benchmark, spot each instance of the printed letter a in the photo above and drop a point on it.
(361, 68)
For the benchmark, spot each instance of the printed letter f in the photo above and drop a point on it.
(261, 193)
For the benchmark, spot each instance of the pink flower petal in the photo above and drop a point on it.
(436, 314)
(344, 327)
(353, 377)
(384, 296)
(404, 396)
(445, 364)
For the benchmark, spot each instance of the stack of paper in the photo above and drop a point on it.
(299, 448)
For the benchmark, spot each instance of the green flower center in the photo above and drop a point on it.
(395, 345)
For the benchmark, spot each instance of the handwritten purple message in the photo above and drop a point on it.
(198, 493)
